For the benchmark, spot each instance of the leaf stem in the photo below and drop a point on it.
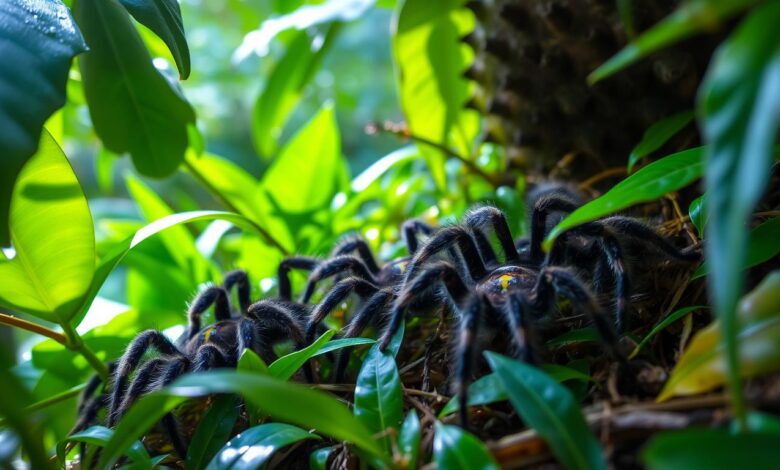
(33, 327)
(226, 202)
(76, 343)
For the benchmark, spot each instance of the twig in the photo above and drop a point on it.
(262, 231)
(608, 173)
(34, 327)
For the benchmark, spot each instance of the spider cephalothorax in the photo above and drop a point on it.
(256, 326)
(522, 289)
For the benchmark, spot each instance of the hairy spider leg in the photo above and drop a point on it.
(240, 279)
(305, 263)
(176, 368)
(638, 231)
(486, 250)
(444, 239)
(282, 318)
(544, 206)
(356, 243)
(149, 339)
(332, 299)
(410, 230)
(334, 266)
(375, 305)
(142, 383)
(516, 312)
(213, 295)
(477, 219)
(468, 327)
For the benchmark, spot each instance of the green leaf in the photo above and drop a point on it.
(164, 18)
(253, 447)
(661, 325)
(133, 107)
(378, 394)
(342, 343)
(651, 182)
(251, 362)
(318, 460)
(429, 62)
(551, 410)
(116, 253)
(282, 400)
(454, 448)
(657, 135)
(762, 246)
(285, 85)
(38, 41)
(703, 365)
(738, 103)
(213, 430)
(488, 389)
(284, 367)
(697, 211)
(51, 231)
(582, 335)
(695, 449)
(99, 436)
(409, 439)
(691, 18)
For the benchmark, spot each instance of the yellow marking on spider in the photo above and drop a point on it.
(207, 333)
(504, 280)
(402, 266)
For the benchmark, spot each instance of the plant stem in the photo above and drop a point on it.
(34, 327)
(76, 343)
(226, 202)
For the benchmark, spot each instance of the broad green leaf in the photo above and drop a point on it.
(409, 439)
(379, 168)
(318, 460)
(696, 449)
(551, 410)
(282, 400)
(657, 135)
(429, 60)
(454, 448)
(38, 41)
(115, 255)
(762, 246)
(164, 18)
(251, 362)
(213, 430)
(737, 108)
(286, 366)
(378, 394)
(649, 183)
(703, 365)
(133, 107)
(253, 447)
(691, 18)
(285, 85)
(697, 211)
(99, 436)
(582, 335)
(487, 389)
(51, 231)
(342, 343)
(661, 325)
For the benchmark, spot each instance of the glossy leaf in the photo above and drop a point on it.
(454, 448)
(697, 211)
(657, 135)
(133, 107)
(762, 246)
(648, 184)
(691, 18)
(711, 448)
(282, 400)
(488, 389)
(318, 460)
(378, 394)
(38, 40)
(409, 439)
(340, 343)
(582, 335)
(702, 366)
(286, 366)
(99, 436)
(51, 230)
(660, 326)
(164, 18)
(551, 410)
(213, 430)
(251, 362)
(738, 103)
(253, 447)
(429, 63)
(285, 85)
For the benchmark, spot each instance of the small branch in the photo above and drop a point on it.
(403, 132)
(33, 327)
(263, 232)
(608, 173)
(76, 344)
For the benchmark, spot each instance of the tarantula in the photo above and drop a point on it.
(258, 326)
(523, 289)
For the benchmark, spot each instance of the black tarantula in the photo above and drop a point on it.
(256, 326)
(522, 290)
